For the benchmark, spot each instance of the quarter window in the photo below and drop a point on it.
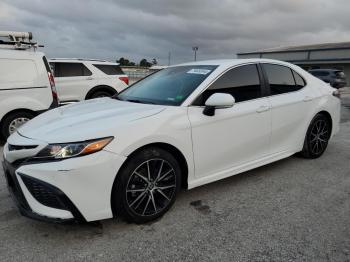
(243, 83)
(299, 81)
(70, 69)
(110, 69)
(281, 79)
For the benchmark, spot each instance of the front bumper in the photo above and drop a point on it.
(41, 193)
(72, 189)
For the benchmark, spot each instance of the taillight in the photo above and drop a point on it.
(125, 79)
(52, 85)
(336, 93)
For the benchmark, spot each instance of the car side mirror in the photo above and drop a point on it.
(218, 101)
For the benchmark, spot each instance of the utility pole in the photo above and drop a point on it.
(195, 49)
(169, 57)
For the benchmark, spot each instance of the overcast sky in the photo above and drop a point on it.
(149, 29)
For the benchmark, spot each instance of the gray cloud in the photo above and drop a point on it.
(137, 29)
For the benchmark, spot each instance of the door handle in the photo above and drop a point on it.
(307, 98)
(89, 78)
(262, 109)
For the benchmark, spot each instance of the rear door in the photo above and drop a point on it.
(233, 136)
(73, 80)
(291, 101)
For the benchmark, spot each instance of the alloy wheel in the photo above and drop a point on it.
(151, 187)
(319, 136)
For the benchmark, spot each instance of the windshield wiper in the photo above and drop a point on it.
(138, 101)
(117, 97)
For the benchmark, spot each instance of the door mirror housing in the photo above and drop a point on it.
(218, 101)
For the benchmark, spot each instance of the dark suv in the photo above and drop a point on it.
(336, 78)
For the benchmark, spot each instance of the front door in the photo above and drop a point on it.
(233, 136)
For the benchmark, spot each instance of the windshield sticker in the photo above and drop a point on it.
(199, 71)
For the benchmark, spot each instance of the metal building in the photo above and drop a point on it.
(328, 55)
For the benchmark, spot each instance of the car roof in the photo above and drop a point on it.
(85, 60)
(14, 52)
(233, 62)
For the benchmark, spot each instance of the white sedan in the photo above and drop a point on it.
(184, 126)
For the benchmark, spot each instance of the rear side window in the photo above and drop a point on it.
(110, 69)
(70, 69)
(281, 79)
(243, 83)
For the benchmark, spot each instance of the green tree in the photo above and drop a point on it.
(145, 63)
(154, 61)
(125, 62)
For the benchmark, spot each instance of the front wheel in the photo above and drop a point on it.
(147, 185)
(317, 137)
(13, 121)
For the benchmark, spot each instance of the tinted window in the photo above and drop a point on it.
(280, 78)
(71, 69)
(299, 81)
(170, 86)
(242, 83)
(110, 69)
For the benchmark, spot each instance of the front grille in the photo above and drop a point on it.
(43, 193)
(20, 147)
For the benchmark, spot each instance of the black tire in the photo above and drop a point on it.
(101, 93)
(7, 120)
(317, 137)
(133, 194)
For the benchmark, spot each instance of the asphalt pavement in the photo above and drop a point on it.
(291, 210)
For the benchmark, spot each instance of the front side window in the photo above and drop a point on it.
(281, 79)
(170, 86)
(243, 83)
(70, 69)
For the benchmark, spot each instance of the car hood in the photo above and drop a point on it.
(86, 120)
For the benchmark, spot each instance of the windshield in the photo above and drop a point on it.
(170, 86)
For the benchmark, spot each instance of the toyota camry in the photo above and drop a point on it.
(182, 127)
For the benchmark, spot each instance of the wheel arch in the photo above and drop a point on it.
(328, 116)
(107, 88)
(13, 112)
(17, 110)
(171, 149)
(165, 146)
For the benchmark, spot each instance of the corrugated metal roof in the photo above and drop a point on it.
(324, 46)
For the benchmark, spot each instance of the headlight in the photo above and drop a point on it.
(67, 150)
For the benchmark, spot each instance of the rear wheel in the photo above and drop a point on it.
(13, 121)
(147, 185)
(317, 137)
(101, 93)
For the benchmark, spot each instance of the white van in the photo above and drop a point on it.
(27, 86)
